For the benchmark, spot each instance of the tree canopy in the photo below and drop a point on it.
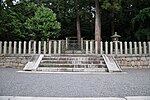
(57, 19)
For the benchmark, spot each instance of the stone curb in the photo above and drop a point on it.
(71, 98)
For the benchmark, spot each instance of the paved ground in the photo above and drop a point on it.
(131, 83)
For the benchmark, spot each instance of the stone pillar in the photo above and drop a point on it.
(96, 47)
(15, 47)
(81, 43)
(59, 47)
(106, 47)
(91, 47)
(66, 43)
(49, 47)
(101, 47)
(39, 47)
(111, 47)
(135, 48)
(34, 47)
(130, 46)
(126, 47)
(10, 47)
(121, 49)
(149, 47)
(5, 47)
(29, 47)
(87, 47)
(19, 50)
(24, 47)
(44, 47)
(145, 47)
(116, 47)
(140, 48)
(1, 47)
(55, 47)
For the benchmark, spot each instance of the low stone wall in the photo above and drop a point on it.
(125, 61)
(133, 61)
(14, 60)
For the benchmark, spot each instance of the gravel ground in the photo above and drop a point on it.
(132, 83)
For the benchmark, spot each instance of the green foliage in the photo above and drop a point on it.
(114, 5)
(43, 24)
(141, 24)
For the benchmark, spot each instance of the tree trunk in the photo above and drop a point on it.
(78, 31)
(112, 23)
(98, 24)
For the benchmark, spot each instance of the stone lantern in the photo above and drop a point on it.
(115, 37)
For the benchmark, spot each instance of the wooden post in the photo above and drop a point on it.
(116, 47)
(106, 47)
(121, 49)
(15, 48)
(145, 47)
(24, 47)
(1, 47)
(5, 47)
(126, 47)
(49, 46)
(91, 47)
(29, 47)
(87, 47)
(55, 47)
(135, 47)
(96, 47)
(10, 47)
(39, 47)
(44, 47)
(140, 48)
(59, 47)
(111, 47)
(19, 51)
(130, 46)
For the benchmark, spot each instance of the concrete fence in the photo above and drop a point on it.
(60, 46)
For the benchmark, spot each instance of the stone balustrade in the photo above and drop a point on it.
(87, 46)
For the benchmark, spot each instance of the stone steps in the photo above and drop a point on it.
(73, 63)
(64, 69)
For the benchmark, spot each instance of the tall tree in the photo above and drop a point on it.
(98, 24)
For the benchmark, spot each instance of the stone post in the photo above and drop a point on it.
(44, 47)
(96, 47)
(24, 47)
(66, 43)
(10, 47)
(126, 47)
(91, 46)
(140, 48)
(87, 47)
(34, 47)
(149, 47)
(5, 47)
(135, 48)
(0, 47)
(15, 48)
(49, 46)
(81, 43)
(19, 50)
(55, 47)
(130, 46)
(145, 47)
(121, 49)
(106, 47)
(101, 47)
(116, 47)
(39, 47)
(111, 47)
(29, 47)
(59, 47)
